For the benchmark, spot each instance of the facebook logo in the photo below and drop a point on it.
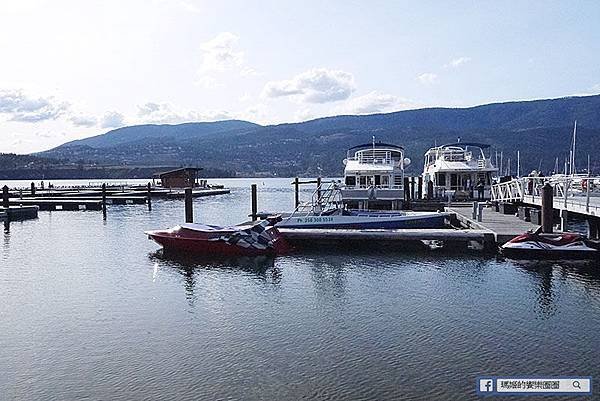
(486, 385)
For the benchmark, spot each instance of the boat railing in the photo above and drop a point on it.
(326, 196)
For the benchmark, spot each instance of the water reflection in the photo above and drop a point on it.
(545, 272)
(262, 267)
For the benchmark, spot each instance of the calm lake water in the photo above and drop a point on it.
(90, 309)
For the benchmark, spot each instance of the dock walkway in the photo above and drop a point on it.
(504, 226)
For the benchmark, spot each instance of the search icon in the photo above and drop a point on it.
(576, 384)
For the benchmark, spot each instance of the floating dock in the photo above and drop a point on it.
(16, 213)
(446, 235)
(503, 226)
(58, 204)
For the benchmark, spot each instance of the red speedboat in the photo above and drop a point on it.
(258, 239)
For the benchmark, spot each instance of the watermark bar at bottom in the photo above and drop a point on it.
(524, 385)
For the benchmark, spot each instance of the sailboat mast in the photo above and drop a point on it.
(573, 167)
(518, 163)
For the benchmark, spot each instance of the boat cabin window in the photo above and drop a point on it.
(377, 180)
(441, 179)
(363, 181)
(385, 180)
(350, 180)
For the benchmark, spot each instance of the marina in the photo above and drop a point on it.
(361, 306)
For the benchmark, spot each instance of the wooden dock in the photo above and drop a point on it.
(503, 226)
(404, 234)
(17, 213)
(58, 204)
(197, 193)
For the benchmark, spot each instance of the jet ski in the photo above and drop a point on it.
(538, 245)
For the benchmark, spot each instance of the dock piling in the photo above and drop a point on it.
(547, 208)
(420, 187)
(475, 206)
(5, 197)
(104, 201)
(189, 207)
(564, 225)
(296, 192)
(149, 197)
(429, 189)
(480, 206)
(319, 189)
(33, 189)
(254, 203)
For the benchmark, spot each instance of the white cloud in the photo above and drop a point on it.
(81, 120)
(221, 54)
(427, 78)
(112, 119)
(457, 62)
(19, 106)
(374, 102)
(165, 113)
(318, 85)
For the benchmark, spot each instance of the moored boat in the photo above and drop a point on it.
(327, 211)
(461, 170)
(258, 239)
(536, 245)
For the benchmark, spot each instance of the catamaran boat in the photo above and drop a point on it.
(374, 176)
(457, 169)
(327, 210)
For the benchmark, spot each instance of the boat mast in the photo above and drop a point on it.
(573, 168)
(518, 164)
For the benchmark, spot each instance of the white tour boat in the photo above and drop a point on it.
(459, 170)
(374, 176)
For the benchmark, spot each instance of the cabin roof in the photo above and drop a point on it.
(461, 144)
(178, 171)
(377, 144)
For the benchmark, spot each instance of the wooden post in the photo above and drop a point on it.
(33, 189)
(420, 187)
(149, 197)
(296, 192)
(429, 189)
(319, 189)
(5, 202)
(547, 208)
(587, 195)
(593, 230)
(407, 189)
(480, 206)
(475, 207)
(189, 207)
(412, 188)
(254, 203)
(104, 201)
(564, 224)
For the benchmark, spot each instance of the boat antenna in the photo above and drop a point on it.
(373, 149)
(518, 163)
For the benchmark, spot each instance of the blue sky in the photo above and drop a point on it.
(72, 69)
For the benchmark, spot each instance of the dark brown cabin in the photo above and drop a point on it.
(179, 178)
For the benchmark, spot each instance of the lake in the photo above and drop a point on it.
(91, 309)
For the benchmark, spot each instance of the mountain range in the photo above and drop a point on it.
(540, 129)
